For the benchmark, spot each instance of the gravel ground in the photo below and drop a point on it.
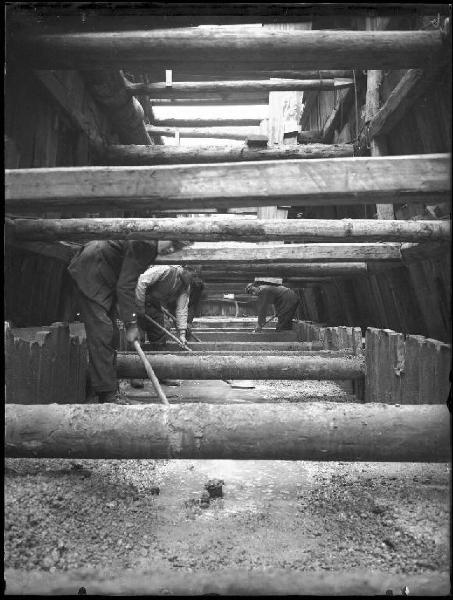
(62, 515)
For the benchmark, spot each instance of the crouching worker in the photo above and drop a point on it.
(106, 274)
(285, 301)
(163, 285)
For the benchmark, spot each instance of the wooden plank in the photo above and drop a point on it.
(300, 183)
(372, 365)
(227, 582)
(215, 253)
(329, 431)
(232, 133)
(406, 92)
(190, 89)
(275, 49)
(411, 380)
(214, 121)
(292, 270)
(341, 107)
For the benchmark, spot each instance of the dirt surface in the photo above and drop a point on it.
(63, 515)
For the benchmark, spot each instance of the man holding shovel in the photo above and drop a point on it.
(163, 285)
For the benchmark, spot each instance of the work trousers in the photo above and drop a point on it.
(286, 314)
(102, 340)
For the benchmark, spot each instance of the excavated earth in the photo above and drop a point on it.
(77, 522)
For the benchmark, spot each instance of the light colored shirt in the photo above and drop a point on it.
(164, 285)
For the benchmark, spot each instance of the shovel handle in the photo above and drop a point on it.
(151, 374)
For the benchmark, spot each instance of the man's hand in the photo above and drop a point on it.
(132, 333)
(182, 337)
(257, 329)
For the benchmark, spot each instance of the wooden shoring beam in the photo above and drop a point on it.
(321, 49)
(232, 133)
(209, 71)
(411, 86)
(225, 581)
(313, 431)
(246, 230)
(171, 155)
(125, 113)
(316, 252)
(342, 106)
(231, 121)
(198, 89)
(189, 366)
(316, 182)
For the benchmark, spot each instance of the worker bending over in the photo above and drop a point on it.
(163, 285)
(284, 299)
(106, 274)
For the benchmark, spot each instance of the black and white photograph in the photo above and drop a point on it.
(202, 399)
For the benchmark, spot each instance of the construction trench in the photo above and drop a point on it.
(309, 461)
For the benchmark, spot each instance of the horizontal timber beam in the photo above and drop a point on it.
(197, 89)
(189, 366)
(316, 252)
(232, 121)
(360, 180)
(224, 581)
(161, 155)
(323, 49)
(314, 431)
(232, 133)
(247, 230)
(208, 71)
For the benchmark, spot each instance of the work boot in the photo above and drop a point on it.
(137, 383)
(113, 397)
(107, 397)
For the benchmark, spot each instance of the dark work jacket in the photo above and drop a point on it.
(107, 272)
(281, 297)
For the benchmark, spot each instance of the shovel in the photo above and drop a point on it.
(151, 374)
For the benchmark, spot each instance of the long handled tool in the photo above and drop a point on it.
(173, 318)
(175, 339)
(151, 374)
(169, 333)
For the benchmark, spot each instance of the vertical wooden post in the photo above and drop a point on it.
(371, 355)
(378, 145)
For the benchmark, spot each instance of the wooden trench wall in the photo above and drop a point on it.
(46, 365)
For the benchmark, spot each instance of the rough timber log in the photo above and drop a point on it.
(193, 89)
(215, 254)
(232, 121)
(161, 155)
(320, 181)
(232, 133)
(188, 366)
(275, 49)
(406, 92)
(287, 269)
(314, 431)
(125, 113)
(247, 230)
(207, 71)
(221, 582)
